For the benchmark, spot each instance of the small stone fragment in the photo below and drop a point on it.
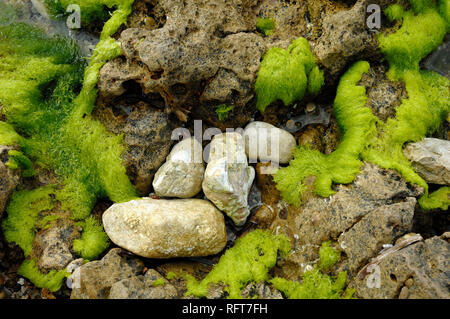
(266, 142)
(162, 228)
(182, 174)
(431, 159)
(228, 177)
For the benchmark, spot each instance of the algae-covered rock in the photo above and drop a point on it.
(228, 177)
(182, 173)
(266, 142)
(162, 228)
(430, 159)
(9, 178)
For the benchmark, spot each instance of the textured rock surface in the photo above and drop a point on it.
(345, 38)
(203, 53)
(418, 271)
(147, 134)
(52, 246)
(265, 142)
(9, 178)
(161, 228)
(376, 209)
(94, 279)
(182, 173)
(228, 178)
(143, 287)
(430, 159)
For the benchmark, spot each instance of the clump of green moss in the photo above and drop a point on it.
(40, 82)
(249, 260)
(315, 283)
(363, 135)
(223, 110)
(159, 282)
(18, 160)
(265, 26)
(287, 75)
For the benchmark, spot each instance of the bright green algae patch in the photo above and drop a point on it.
(251, 259)
(287, 75)
(356, 123)
(363, 135)
(265, 26)
(39, 79)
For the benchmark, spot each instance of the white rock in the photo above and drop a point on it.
(228, 178)
(182, 173)
(265, 142)
(431, 159)
(166, 228)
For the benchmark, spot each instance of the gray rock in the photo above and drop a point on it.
(374, 210)
(182, 173)
(9, 178)
(228, 177)
(431, 159)
(94, 279)
(418, 271)
(143, 287)
(162, 228)
(147, 135)
(53, 245)
(266, 142)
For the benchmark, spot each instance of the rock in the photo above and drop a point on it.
(53, 245)
(94, 279)
(228, 178)
(419, 271)
(147, 135)
(345, 38)
(161, 228)
(9, 178)
(374, 210)
(204, 53)
(261, 291)
(430, 159)
(265, 142)
(182, 173)
(143, 287)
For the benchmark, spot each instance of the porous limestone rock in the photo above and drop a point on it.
(430, 159)
(228, 177)
(266, 142)
(9, 178)
(166, 228)
(182, 173)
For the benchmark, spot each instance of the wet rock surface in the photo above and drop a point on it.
(160, 228)
(430, 159)
(228, 177)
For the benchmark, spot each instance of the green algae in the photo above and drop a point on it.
(286, 75)
(47, 99)
(364, 137)
(316, 284)
(265, 26)
(223, 110)
(356, 123)
(249, 260)
(19, 161)
(52, 280)
(93, 240)
(159, 282)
